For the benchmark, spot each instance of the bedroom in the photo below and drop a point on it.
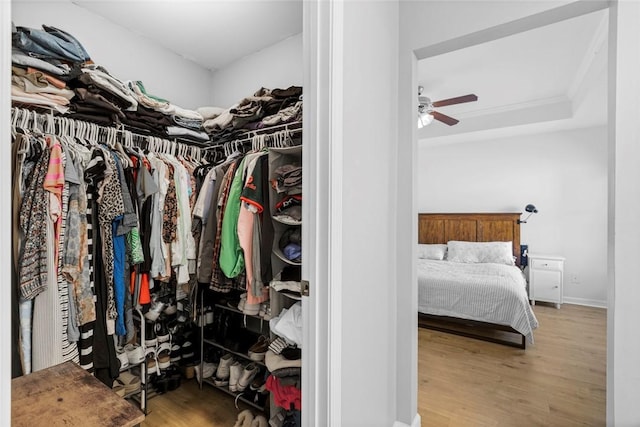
(419, 24)
(537, 134)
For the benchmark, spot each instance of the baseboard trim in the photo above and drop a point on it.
(417, 422)
(585, 301)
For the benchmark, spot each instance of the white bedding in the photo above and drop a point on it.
(492, 293)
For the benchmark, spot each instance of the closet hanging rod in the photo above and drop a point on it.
(292, 127)
(181, 144)
(139, 132)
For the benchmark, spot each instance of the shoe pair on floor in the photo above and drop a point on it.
(246, 419)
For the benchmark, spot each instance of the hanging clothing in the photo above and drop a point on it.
(110, 206)
(220, 282)
(33, 269)
(253, 232)
(231, 254)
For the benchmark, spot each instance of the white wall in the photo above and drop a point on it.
(564, 174)
(623, 345)
(278, 66)
(123, 53)
(5, 213)
(368, 190)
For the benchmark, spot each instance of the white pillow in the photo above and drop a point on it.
(480, 252)
(432, 251)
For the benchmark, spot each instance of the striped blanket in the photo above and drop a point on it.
(492, 293)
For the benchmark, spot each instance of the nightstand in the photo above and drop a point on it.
(546, 278)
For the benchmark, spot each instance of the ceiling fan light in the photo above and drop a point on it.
(424, 119)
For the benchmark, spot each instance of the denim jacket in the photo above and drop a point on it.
(52, 43)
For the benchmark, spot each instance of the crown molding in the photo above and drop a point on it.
(534, 103)
(597, 42)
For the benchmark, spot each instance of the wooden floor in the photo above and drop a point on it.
(188, 406)
(558, 381)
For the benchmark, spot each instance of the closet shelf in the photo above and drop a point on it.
(285, 221)
(133, 394)
(290, 294)
(238, 395)
(293, 127)
(130, 366)
(235, 310)
(235, 353)
(280, 255)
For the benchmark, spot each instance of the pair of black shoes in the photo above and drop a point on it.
(155, 333)
(168, 380)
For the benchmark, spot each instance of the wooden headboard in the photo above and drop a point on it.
(470, 227)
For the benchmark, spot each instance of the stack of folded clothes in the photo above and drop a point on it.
(100, 97)
(174, 121)
(266, 107)
(32, 86)
(43, 62)
(284, 359)
(51, 69)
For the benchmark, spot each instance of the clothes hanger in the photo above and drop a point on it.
(93, 133)
(23, 148)
(15, 113)
(127, 163)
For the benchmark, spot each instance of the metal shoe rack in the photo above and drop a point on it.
(206, 341)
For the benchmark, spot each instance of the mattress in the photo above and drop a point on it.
(492, 293)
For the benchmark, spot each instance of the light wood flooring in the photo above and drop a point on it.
(558, 381)
(188, 406)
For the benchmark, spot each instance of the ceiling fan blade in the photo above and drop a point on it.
(458, 100)
(444, 118)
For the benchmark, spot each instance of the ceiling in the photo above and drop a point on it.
(212, 34)
(550, 78)
(547, 79)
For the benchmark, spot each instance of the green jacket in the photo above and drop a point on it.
(231, 254)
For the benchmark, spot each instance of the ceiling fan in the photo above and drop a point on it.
(426, 112)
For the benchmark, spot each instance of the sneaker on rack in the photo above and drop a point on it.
(221, 382)
(150, 339)
(208, 369)
(259, 383)
(156, 308)
(164, 355)
(187, 351)
(176, 353)
(243, 301)
(152, 360)
(251, 309)
(235, 371)
(135, 354)
(223, 370)
(247, 376)
(163, 331)
(124, 359)
(170, 308)
(259, 349)
(265, 310)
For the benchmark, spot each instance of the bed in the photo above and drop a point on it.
(467, 287)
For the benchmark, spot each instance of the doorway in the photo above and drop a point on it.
(507, 152)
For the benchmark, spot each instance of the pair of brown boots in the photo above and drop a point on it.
(246, 419)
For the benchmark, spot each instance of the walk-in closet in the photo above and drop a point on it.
(157, 213)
